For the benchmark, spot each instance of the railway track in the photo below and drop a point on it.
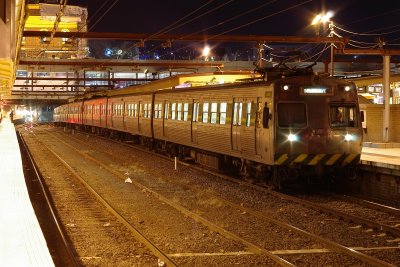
(327, 247)
(217, 237)
(63, 253)
(92, 219)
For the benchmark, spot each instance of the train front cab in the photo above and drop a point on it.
(318, 134)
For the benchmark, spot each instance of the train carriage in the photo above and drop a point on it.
(220, 119)
(301, 125)
(75, 113)
(95, 114)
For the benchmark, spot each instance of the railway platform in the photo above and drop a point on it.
(385, 155)
(22, 242)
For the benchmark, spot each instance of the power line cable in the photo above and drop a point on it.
(263, 18)
(105, 13)
(255, 21)
(169, 27)
(233, 18)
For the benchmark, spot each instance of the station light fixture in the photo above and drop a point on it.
(323, 18)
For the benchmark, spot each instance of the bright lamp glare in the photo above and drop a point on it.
(328, 15)
(316, 20)
(292, 137)
(347, 88)
(206, 51)
(322, 18)
(286, 87)
(348, 137)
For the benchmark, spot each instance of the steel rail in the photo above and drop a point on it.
(39, 177)
(331, 244)
(137, 234)
(253, 248)
(372, 205)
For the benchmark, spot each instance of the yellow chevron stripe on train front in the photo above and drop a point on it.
(333, 159)
(316, 159)
(349, 159)
(300, 158)
(281, 159)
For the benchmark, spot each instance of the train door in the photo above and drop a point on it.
(265, 128)
(123, 115)
(92, 110)
(81, 111)
(140, 115)
(166, 118)
(100, 114)
(236, 123)
(195, 120)
(258, 128)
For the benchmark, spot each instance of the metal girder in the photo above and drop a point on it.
(176, 37)
(376, 52)
(126, 62)
(73, 79)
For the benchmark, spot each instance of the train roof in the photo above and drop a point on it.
(180, 81)
(187, 80)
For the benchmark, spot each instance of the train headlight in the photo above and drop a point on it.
(292, 137)
(348, 137)
(347, 88)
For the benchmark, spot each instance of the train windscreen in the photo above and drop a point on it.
(342, 116)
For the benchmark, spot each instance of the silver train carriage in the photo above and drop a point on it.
(301, 127)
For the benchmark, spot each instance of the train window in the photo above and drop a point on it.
(145, 111)
(222, 113)
(237, 113)
(195, 112)
(248, 114)
(292, 115)
(173, 111)
(166, 111)
(129, 110)
(157, 111)
(148, 111)
(185, 111)
(214, 109)
(205, 112)
(135, 110)
(160, 114)
(179, 111)
(342, 116)
(258, 112)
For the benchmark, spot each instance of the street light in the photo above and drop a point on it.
(322, 18)
(206, 52)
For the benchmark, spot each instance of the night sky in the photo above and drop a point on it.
(363, 21)
(279, 17)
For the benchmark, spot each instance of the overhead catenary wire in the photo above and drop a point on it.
(255, 21)
(105, 13)
(169, 27)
